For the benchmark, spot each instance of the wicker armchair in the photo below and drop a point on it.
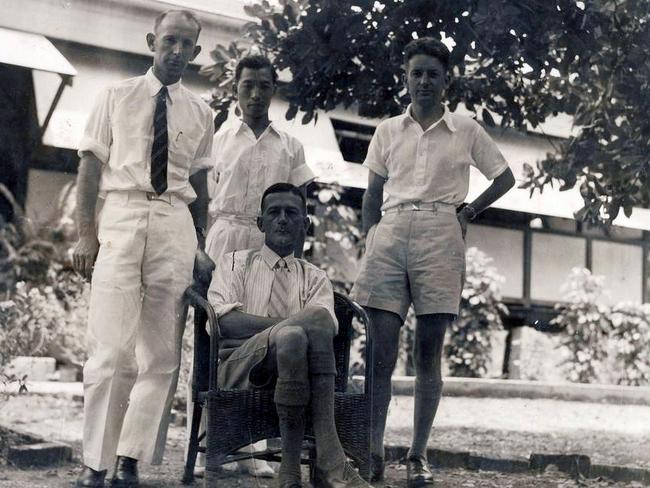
(237, 418)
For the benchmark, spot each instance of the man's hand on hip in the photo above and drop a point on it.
(203, 267)
(84, 255)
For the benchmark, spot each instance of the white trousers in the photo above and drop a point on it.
(135, 326)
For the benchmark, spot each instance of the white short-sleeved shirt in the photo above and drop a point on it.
(243, 281)
(432, 165)
(119, 132)
(245, 166)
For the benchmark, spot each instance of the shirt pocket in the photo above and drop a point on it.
(132, 134)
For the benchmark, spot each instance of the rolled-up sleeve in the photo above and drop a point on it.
(203, 158)
(98, 134)
(301, 174)
(320, 293)
(375, 158)
(226, 292)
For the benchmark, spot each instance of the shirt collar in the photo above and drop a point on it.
(240, 125)
(446, 118)
(271, 258)
(155, 85)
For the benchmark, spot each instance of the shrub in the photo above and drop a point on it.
(630, 342)
(583, 320)
(470, 346)
(30, 321)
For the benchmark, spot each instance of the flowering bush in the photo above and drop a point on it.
(469, 347)
(584, 322)
(30, 321)
(630, 342)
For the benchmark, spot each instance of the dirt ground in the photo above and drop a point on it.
(615, 442)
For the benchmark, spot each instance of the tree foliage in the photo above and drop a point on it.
(516, 62)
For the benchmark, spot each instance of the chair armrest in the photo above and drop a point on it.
(194, 298)
(361, 315)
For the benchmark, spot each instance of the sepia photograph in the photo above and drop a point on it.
(325, 243)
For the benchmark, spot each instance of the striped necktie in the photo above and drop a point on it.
(159, 150)
(279, 301)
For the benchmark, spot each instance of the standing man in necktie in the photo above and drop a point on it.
(276, 316)
(144, 153)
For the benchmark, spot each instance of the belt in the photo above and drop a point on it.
(169, 198)
(423, 207)
(233, 217)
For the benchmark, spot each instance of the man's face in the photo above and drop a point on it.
(282, 221)
(426, 80)
(174, 46)
(255, 89)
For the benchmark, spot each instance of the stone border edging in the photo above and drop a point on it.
(34, 451)
(497, 388)
(572, 464)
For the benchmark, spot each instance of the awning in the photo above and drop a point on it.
(32, 51)
(35, 52)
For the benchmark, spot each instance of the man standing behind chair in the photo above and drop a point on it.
(250, 154)
(276, 315)
(144, 151)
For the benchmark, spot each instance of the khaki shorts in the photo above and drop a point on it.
(413, 256)
(244, 367)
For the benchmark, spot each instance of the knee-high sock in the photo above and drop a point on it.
(380, 402)
(427, 398)
(292, 430)
(329, 453)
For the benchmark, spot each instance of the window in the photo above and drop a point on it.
(553, 257)
(622, 266)
(353, 139)
(506, 248)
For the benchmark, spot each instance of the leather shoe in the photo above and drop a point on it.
(126, 473)
(418, 473)
(348, 479)
(289, 484)
(377, 467)
(89, 478)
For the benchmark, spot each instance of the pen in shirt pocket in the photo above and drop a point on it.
(180, 133)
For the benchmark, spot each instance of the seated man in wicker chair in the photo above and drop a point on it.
(276, 315)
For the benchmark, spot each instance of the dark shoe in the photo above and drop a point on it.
(289, 484)
(418, 473)
(126, 473)
(377, 467)
(349, 479)
(90, 478)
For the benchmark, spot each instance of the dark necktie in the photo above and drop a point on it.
(159, 148)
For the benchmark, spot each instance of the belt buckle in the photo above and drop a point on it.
(415, 206)
(151, 195)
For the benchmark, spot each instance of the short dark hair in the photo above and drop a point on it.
(188, 14)
(429, 47)
(284, 188)
(255, 61)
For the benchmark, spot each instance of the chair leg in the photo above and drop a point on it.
(193, 448)
(311, 462)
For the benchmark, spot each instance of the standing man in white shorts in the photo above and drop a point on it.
(145, 150)
(415, 252)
